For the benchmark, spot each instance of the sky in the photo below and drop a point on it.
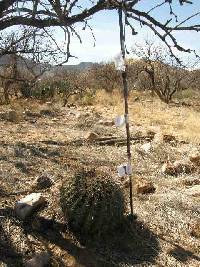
(106, 31)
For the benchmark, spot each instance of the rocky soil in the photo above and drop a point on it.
(41, 148)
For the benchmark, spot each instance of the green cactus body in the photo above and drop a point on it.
(92, 203)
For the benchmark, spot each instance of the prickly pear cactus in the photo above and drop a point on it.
(92, 203)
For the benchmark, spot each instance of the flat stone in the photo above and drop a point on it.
(106, 123)
(39, 260)
(27, 205)
(47, 112)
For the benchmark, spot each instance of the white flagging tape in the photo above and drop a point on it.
(119, 62)
(124, 170)
(120, 121)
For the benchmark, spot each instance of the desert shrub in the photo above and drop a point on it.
(92, 203)
(104, 76)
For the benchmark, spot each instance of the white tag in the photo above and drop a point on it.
(124, 170)
(119, 121)
(121, 170)
(119, 62)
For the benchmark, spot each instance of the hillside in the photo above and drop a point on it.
(7, 60)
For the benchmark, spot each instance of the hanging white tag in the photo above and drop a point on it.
(119, 121)
(125, 169)
(121, 170)
(119, 62)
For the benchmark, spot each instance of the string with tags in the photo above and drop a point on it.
(126, 169)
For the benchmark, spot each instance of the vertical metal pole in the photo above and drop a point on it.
(125, 86)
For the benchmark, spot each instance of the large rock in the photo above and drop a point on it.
(27, 205)
(145, 187)
(39, 260)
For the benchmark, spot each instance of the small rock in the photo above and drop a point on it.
(14, 116)
(47, 112)
(195, 229)
(168, 168)
(195, 159)
(169, 138)
(146, 148)
(43, 182)
(39, 260)
(91, 136)
(136, 99)
(145, 187)
(183, 166)
(151, 134)
(193, 191)
(27, 205)
(106, 123)
(31, 114)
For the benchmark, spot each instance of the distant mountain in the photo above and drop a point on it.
(79, 67)
(24, 63)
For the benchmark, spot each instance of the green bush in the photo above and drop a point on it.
(92, 203)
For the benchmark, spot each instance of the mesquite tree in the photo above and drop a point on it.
(25, 55)
(161, 73)
(44, 14)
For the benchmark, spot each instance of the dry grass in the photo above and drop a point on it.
(151, 113)
(161, 235)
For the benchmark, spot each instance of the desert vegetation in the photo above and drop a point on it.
(63, 199)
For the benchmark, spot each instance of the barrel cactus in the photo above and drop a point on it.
(92, 203)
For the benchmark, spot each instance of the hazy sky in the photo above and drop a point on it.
(106, 31)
